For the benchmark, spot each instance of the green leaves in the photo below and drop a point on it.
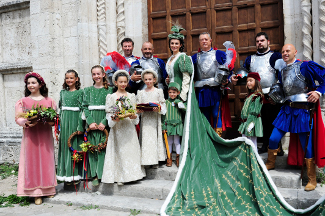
(13, 199)
(7, 170)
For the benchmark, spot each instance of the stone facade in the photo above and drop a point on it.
(50, 37)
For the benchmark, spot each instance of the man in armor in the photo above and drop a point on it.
(147, 61)
(127, 47)
(207, 62)
(259, 63)
(301, 93)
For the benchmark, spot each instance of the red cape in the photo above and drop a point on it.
(225, 113)
(296, 153)
(226, 117)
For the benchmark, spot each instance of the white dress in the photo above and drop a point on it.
(122, 159)
(152, 145)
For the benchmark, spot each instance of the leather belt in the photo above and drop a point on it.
(244, 120)
(300, 105)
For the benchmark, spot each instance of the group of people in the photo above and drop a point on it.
(137, 141)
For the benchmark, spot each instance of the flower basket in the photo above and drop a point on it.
(122, 108)
(40, 114)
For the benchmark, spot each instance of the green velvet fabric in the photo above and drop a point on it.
(222, 177)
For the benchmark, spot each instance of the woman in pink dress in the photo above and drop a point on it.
(36, 175)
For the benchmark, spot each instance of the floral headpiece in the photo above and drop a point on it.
(176, 29)
(33, 74)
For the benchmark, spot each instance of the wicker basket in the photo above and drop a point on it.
(33, 119)
(126, 115)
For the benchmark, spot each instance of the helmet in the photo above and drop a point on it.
(241, 75)
(222, 74)
(137, 68)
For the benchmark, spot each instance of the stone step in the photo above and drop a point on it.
(112, 202)
(163, 172)
(124, 200)
(286, 178)
(159, 188)
(146, 188)
(301, 199)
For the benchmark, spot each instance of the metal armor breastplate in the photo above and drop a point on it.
(261, 65)
(294, 83)
(153, 64)
(207, 65)
(131, 59)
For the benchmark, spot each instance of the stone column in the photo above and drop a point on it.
(88, 54)
(292, 16)
(111, 25)
(136, 20)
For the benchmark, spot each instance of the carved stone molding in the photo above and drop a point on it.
(322, 31)
(13, 5)
(15, 68)
(307, 39)
(101, 26)
(120, 24)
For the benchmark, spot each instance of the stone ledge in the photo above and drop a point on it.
(6, 68)
(14, 5)
(117, 203)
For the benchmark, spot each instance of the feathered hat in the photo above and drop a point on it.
(176, 29)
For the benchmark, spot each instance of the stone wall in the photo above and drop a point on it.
(50, 37)
(15, 61)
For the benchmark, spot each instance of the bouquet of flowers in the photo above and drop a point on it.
(122, 108)
(40, 114)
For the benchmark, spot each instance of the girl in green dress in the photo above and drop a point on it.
(70, 111)
(94, 113)
(251, 126)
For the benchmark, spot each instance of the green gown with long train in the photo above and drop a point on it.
(70, 112)
(95, 97)
(223, 177)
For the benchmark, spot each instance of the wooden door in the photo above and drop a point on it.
(235, 20)
(193, 15)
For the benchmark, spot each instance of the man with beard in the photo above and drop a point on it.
(147, 61)
(259, 63)
(127, 47)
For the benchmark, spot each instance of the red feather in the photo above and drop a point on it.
(233, 60)
(107, 68)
